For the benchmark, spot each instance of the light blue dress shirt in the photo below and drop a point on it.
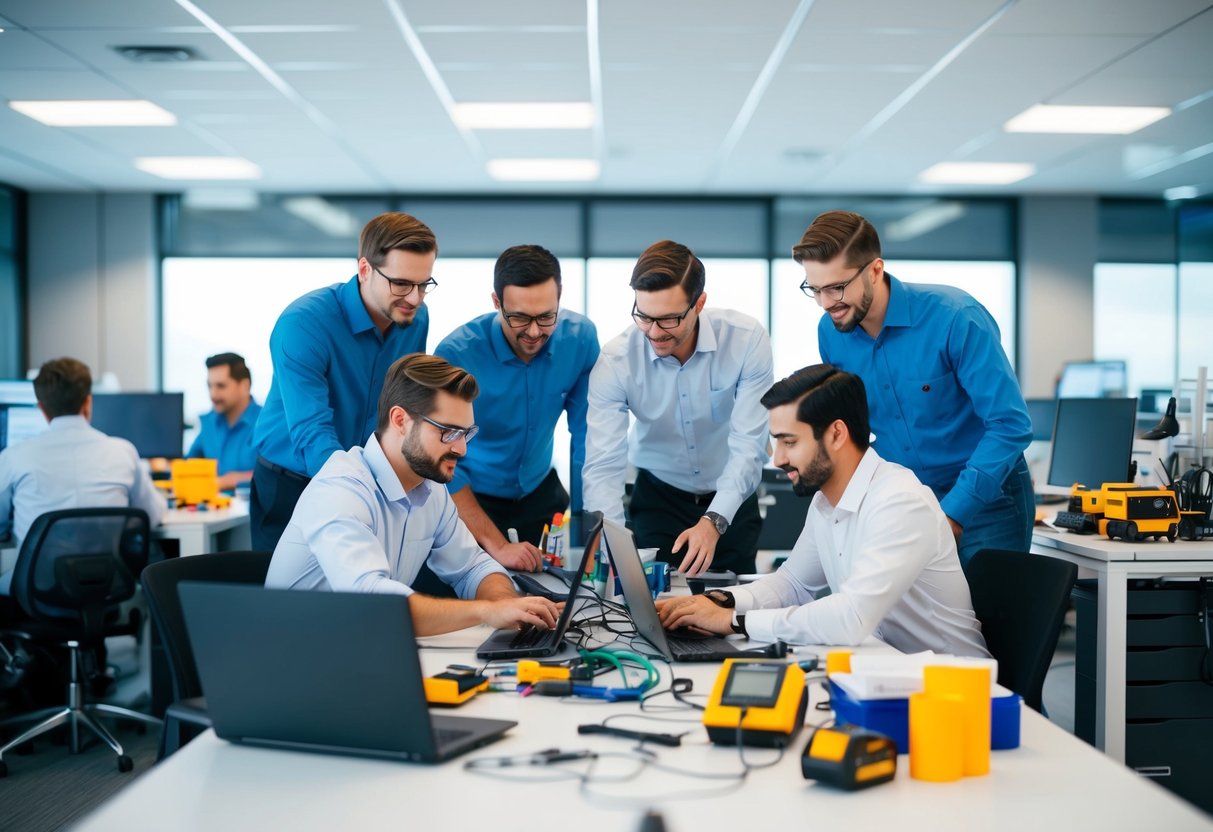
(699, 426)
(520, 403)
(232, 445)
(329, 363)
(355, 529)
(943, 398)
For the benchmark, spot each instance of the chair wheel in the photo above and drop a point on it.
(125, 763)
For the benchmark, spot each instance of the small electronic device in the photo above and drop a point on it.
(767, 699)
(849, 757)
(195, 482)
(452, 689)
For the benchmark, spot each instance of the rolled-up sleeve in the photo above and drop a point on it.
(456, 558)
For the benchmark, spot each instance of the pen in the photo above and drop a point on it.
(546, 757)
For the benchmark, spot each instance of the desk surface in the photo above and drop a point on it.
(233, 515)
(213, 785)
(1098, 547)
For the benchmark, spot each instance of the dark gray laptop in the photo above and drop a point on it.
(331, 672)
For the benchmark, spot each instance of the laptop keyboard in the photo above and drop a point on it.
(445, 736)
(694, 647)
(529, 636)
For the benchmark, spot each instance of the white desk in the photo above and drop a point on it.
(1115, 562)
(1054, 779)
(203, 532)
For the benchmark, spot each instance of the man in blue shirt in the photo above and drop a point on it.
(331, 349)
(532, 361)
(226, 433)
(373, 515)
(944, 400)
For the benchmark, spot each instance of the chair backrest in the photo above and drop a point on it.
(77, 564)
(1020, 600)
(160, 581)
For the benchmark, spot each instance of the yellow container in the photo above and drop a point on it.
(936, 738)
(971, 686)
(838, 661)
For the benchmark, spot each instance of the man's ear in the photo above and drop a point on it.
(839, 434)
(496, 301)
(703, 298)
(364, 270)
(400, 419)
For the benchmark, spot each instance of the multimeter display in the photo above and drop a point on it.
(753, 685)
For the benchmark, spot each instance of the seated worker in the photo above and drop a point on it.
(373, 515)
(226, 433)
(874, 535)
(71, 464)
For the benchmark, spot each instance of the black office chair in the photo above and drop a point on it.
(1020, 600)
(160, 582)
(74, 568)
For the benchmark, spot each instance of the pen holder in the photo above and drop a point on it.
(970, 686)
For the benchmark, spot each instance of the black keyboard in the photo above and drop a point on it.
(695, 647)
(1076, 521)
(530, 636)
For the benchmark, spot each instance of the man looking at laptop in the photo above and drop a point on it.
(874, 535)
(373, 515)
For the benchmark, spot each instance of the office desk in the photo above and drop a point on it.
(1115, 562)
(203, 532)
(1054, 779)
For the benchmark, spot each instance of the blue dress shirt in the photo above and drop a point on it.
(329, 363)
(232, 445)
(520, 403)
(943, 399)
(699, 426)
(355, 529)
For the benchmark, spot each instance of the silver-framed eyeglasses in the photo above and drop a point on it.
(516, 320)
(835, 291)
(665, 321)
(404, 288)
(451, 433)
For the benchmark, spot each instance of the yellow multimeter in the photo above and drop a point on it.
(849, 757)
(450, 690)
(767, 698)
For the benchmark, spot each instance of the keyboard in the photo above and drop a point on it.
(530, 636)
(1076, 521)
(690, 649)
(445, 736)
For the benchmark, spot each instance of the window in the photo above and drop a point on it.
(1134, 321)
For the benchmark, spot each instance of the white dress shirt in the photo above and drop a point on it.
(355, 529)
(887, 554)
(700, 426)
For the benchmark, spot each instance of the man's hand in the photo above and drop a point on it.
(700, 541)
(695, 611)
(957, 529)
(513, 613)
(231, 479)
(524, 556)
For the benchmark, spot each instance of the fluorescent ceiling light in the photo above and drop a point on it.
(924, 221)
(1050, 118)
(574, 115)
(1181, 192)
(544, 170)
(126, 113)
(198, 167)
(976, 173)
(333, 220)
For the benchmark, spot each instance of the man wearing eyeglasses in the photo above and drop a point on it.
(373, 515)
(532, 361)
(330, 351)
(944, 400)
(692, 379)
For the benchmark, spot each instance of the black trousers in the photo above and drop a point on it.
(526, 515)
(659, 512)
(272, 498)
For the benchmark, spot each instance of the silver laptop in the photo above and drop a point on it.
(332, 672)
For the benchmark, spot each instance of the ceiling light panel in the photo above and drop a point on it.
(544, 170)
(96, 113)
(1056, 118)
(198, 167)
(976, 173)
(569, 115)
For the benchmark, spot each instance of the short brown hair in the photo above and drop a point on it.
(413, 382)
(62, 386)
(394, 230)
(665, 264)
(235, 365)
(838, 232)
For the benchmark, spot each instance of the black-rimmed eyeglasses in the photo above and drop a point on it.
(665, 321)
(516, 320)
(404, 288)
(451, 433)
(835, 291)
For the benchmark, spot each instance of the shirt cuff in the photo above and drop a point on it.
(743, 598)
(760, 624)
(960, 505)
(726, 503)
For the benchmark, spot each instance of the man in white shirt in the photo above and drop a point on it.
(874, 535)
(71, 464)
(373, 515)
(691, 378)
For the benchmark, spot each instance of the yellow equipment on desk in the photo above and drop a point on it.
(1126, 511)
(768, 699)
(849, 757)
(196, 483)
(452, 689)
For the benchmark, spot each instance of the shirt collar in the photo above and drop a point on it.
(705, 339)
(350, 299)
(249, 416)
(385, 476)
(74, 422)
(898, 313)
(861, 480)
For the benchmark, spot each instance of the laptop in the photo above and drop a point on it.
(329, 672)
(534, 641)
(621, 547)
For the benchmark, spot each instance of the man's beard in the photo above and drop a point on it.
(810, 480)
(859, 310)
(422, 465)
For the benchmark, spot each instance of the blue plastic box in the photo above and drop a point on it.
(891, 717)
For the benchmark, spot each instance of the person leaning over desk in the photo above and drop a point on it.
(226, 433)
(374, 514)
(691, 377)
(874, 535)
(330, 351)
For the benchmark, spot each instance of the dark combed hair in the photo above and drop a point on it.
(826, 394)
(665, 264)
(414, 380)
(62, 386)
(234, 363)
(527, 265)
(394, 230)
(838, 232)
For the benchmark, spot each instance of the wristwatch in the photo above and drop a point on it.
(718, 521)
(721, 598)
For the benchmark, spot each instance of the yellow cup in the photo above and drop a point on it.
(971, 686)
(936, 738)
(838, 661)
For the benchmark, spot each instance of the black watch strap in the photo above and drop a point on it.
(739, 625)
(721, 598)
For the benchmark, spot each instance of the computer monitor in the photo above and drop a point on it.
(1042, 412)
(152, 422)
(1093, 379)
(19, 423)
(1092, 441)
(17, 391)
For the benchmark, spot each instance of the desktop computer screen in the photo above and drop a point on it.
(18, 423)
(152, 422)
(1093, 379)
(1092, 441)
(1042, 412)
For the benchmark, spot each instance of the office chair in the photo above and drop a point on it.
(160, 582)
(74, 568)
(1020, 600)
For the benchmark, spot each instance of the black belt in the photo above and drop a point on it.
(285, 472)
(689, 496)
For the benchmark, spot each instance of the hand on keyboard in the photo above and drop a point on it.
(512, 613)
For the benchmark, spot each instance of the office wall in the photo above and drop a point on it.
(93, 288)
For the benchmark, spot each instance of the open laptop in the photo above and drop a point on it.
(533, 641)
(621, 547)
(331, 672)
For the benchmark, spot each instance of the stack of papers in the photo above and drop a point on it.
(896, 677)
